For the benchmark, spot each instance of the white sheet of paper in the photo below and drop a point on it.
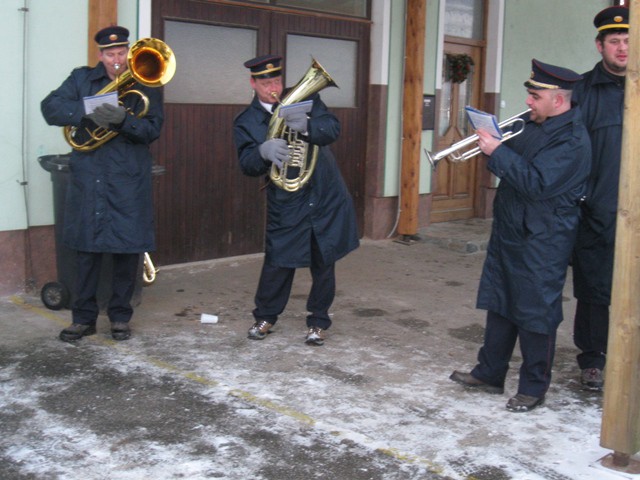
(483, 120)
(305, 107)
(90, 103)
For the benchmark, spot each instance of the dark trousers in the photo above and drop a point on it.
(590, 334)
(85, 308)
(275, 284)
(537, 356)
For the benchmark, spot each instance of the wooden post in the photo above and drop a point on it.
(102, 13)
(412, 117)
(621, 409)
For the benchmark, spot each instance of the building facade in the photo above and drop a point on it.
(476, 52)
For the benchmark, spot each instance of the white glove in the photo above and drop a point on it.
(275, 150)
(297, 121)
(106, 115)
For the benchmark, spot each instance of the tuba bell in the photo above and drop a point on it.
(300, 155)
(151, 63)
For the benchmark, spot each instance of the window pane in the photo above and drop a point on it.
(207, 72)
(463, 18)
(355, 8)
(444, 121)
(464, 97)
(339, 59)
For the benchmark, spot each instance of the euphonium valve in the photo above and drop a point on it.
(300, 156)
(152, 64)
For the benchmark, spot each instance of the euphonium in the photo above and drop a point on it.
(300, 156)
(151, 63)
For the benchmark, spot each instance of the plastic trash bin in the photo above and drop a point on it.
(59, 294)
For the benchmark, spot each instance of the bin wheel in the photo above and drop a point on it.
(55, 295)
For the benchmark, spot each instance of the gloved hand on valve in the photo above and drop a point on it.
(275, 150)
(106, 115)
(297, 121)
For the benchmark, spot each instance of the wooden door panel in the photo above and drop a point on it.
(205, 207)
(454, 184)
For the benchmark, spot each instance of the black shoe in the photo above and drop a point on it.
(592, 379)
(120, 331)
(470, 381)
(76, 331)
(523, 403)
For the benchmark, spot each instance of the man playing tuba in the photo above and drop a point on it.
(311, 226)
(109, 205)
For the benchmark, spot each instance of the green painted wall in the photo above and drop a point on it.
(555, 32)
(396, 72)
(49, 40)
(560, 33)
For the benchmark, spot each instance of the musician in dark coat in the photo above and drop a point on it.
(542, 174)
(312, 227)
(109, 205)
(601, 98)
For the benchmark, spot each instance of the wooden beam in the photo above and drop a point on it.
(412, 117)
(621, 408)
(102, 13)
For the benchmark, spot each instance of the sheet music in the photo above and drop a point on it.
(305, 107)
(90, 103)
(483, 120)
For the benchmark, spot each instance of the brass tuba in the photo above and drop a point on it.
(300, 157)
(151, 63)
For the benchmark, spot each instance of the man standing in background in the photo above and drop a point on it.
(601, 98)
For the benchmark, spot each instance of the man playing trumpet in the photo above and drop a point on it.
(542, 172)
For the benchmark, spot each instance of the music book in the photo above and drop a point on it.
(90, 103)
(483, 120)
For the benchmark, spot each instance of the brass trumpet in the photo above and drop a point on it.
(151, 63)
(457, 153)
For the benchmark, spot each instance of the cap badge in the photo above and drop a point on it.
(617, 19)
(269, 65)
(113, 37)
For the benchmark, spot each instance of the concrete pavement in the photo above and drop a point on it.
(185, 399)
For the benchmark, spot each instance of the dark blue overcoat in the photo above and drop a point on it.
(542, 175)
(323, 207)
(601, 98)
(109, 204)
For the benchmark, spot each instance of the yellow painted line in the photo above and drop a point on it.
(246, 396)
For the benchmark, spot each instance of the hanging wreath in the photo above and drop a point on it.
(459, 67)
